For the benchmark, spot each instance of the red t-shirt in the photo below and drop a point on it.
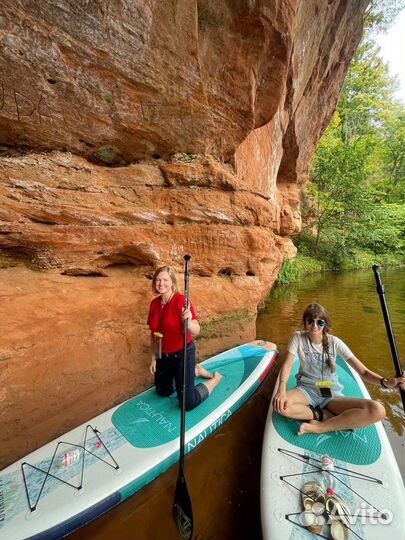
(167, 320)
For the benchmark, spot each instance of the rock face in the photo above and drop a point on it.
(134, 132)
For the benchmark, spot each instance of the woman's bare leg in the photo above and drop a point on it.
(349, 413)
(297, 406)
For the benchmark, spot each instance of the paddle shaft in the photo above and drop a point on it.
(182, 509)
(388, 326)
(183, 394)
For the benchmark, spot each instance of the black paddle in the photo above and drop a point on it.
(182, 510)
(388, 326)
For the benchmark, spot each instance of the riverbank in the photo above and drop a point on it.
(293, 270)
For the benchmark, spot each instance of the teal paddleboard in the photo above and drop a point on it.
(366, 475)
(76, 478)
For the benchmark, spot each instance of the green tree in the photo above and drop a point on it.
(394, 158)
(358, 169)
(338, 180)
(380, 14)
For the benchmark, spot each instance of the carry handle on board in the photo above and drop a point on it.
(388, 326)
(182, 510)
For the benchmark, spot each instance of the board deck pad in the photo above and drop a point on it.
(361, 446)
(148, 420)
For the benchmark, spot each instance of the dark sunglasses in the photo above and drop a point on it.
(319, 322)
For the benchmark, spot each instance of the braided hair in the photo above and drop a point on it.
(316, 311)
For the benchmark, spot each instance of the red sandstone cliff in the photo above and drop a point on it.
(134, 132)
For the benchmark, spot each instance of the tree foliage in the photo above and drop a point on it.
(357, 190)
(380, 14)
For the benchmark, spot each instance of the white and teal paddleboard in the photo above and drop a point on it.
(367, 476)
(76, 478)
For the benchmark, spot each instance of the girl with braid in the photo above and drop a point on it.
(317, 399)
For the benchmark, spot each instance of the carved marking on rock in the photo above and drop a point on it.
(26, 108)
(19, 99)
(42, 107)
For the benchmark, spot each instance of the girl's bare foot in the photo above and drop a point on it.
(313, 426)
(200, 371)
(212, 383)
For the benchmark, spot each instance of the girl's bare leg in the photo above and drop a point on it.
(297, 406)
(349, 413)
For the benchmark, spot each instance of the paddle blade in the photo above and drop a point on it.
(182, 510)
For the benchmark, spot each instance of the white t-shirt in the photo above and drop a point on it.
(313, 359)
(300, 342)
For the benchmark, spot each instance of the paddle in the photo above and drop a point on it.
(388, 326)
(182, 510)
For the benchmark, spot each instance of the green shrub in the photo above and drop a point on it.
(288, 273)
(309, 265)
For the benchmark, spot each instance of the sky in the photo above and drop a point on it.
(392, 46)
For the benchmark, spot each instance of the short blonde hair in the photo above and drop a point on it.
(172, 276)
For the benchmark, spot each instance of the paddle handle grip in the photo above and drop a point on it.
(187, 259)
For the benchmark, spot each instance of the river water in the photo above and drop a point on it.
(223, 474)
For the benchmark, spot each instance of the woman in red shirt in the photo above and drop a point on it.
(166, 316)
